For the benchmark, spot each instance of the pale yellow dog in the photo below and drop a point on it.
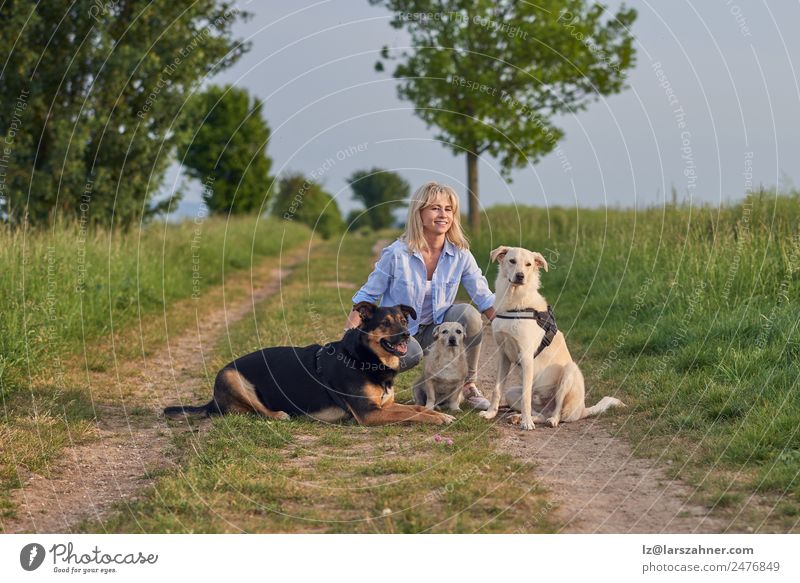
(444, 370)
(526, 335)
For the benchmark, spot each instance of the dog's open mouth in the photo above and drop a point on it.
(398, 348)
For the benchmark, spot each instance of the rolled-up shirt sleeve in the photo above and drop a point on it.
(378, 280)
(476, 285)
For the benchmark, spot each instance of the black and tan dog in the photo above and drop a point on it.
(353, 377)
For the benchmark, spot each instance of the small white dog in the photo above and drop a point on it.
(444, 370)
(526, 334)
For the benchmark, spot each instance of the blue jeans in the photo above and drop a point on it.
(469, 318)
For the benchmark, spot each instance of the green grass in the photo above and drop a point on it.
(62, 293)
(63, 286)
(247, 474)
(691, 316)
(35, 429)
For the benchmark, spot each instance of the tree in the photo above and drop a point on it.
(490, 75)
(228, 151)
(97, 91)
(381, 191)
(301, 199)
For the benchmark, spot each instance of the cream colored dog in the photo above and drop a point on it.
(551, 381)
(444, 370)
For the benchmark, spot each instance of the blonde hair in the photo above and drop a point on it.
(422, 198)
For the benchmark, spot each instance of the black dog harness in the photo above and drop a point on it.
(546, 320)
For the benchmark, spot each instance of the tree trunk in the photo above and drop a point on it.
(472, 191)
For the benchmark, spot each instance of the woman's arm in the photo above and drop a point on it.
(477, 287)
(376, 285)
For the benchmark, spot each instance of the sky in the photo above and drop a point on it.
(712, 108)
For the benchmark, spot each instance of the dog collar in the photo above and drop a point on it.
(546, 320)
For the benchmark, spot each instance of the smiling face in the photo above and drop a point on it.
(437, 217)
(519, 266)
(449, 334)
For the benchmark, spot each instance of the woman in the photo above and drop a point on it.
(423, 270)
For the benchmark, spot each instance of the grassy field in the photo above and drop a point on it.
(248, 474)
(64, 286)
(73, 301)
(691, 316)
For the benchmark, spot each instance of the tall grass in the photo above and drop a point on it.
(691, 313)
(65, 285)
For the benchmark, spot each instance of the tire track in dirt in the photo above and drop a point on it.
(595, 482)
(134, 438)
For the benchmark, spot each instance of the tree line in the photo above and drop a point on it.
(103, 88)
(101, 97)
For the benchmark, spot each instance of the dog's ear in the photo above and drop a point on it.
(408, 311)
(499, 253)
(539, 260)
(436, 332)
(366, 310)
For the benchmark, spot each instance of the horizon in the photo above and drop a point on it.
(774, 193)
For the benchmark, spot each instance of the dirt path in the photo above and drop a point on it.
(134, 439)
(596, 483)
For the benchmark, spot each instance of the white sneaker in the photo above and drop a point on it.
(474, 397)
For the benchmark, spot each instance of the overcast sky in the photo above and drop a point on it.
(732, 67)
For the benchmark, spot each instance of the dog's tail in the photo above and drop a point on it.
(602, 406)
(207, 410)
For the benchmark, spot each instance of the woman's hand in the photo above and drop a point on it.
(489, 313)
(353, 321)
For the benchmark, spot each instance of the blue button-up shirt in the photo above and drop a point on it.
(399, 278)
